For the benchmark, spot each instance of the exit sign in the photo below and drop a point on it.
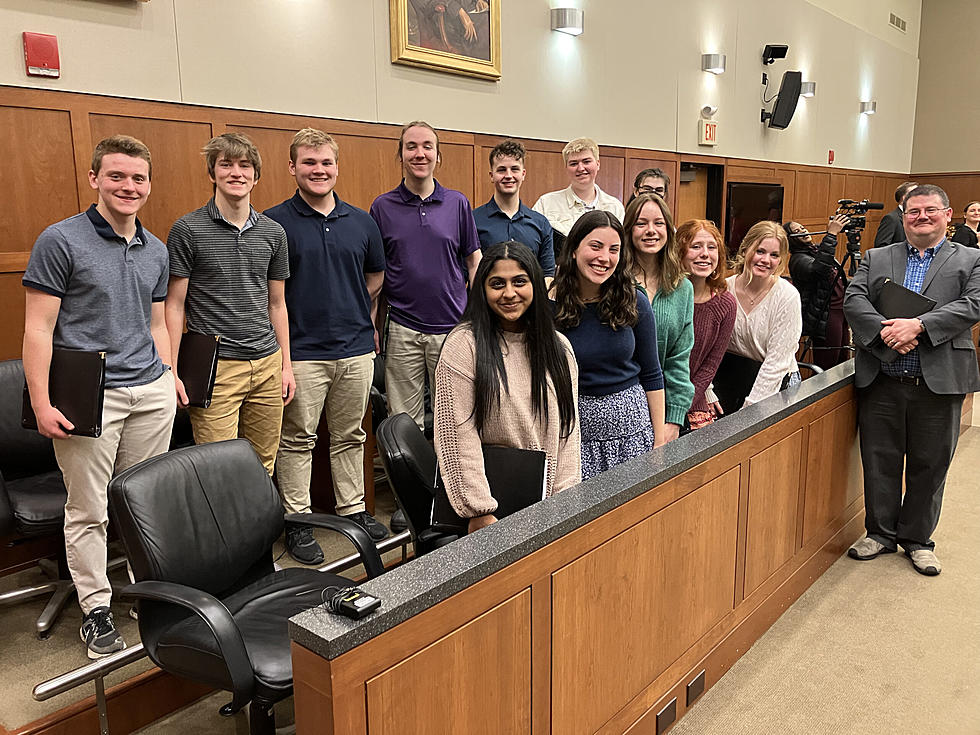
(707, 132)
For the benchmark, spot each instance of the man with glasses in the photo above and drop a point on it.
(651, 181)
(912, 373)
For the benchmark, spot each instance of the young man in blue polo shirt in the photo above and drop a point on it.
(432, 250)
(228, 266)
(96, 282)
(336, 266)
(505, 217)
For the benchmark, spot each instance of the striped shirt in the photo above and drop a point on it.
(916, 268)
(229, 271)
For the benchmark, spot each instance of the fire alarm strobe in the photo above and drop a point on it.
(41, 55)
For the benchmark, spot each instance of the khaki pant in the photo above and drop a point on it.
(409, 356)
(247, 403)
(340, 390)
(136, 425)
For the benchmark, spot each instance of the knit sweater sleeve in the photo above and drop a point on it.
(715, 325)
(457, 443)
(568, 461)
(676, 314)
(783, 323)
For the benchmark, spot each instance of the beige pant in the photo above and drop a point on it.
(340, 390)
(246, 402)
(409, 356)
(136, 424)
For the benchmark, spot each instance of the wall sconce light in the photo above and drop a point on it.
(869, 108)
(715, 63)
(808, 89)
(568, 20)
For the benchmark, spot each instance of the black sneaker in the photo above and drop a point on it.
(398, 521)
(301, 545)
(99, 634)
(375, 530)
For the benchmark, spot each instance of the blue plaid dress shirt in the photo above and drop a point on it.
(916, 268)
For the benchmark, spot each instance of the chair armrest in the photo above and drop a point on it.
(816, 370)
(364, 544)
(218, 619)
(7, 523)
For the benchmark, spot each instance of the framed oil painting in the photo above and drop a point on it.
(457, 36)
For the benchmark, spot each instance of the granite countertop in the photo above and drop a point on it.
(413, 587)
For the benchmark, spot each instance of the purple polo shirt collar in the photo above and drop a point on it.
(437, 195)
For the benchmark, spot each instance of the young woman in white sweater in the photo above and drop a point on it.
(506, 378)
(768, 319)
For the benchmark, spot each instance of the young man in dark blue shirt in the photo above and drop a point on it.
(336, 265)
(505, 217)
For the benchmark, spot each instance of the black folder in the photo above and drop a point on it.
(897, 302)
(76, 387)
(734, 380)
(517, 478)
(197, 366)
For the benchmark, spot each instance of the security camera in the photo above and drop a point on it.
(709, 110)
(774, 51)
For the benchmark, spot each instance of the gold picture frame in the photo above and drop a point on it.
(456, 36)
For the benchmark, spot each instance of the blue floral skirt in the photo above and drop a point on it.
(614, 428)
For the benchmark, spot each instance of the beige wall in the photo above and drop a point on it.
(614, 82)
(948, 107)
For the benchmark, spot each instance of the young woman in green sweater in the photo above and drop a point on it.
(657, 267)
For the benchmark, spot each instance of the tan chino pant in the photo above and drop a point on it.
(247, 403)
(409, 356)
(340, 390)
(136, 424)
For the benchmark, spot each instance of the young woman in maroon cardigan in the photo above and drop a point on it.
(701, 249)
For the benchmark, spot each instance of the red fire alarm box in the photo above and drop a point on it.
(41, 55)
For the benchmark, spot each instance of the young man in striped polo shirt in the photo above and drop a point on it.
(228, 266)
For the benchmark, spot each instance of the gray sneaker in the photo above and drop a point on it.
(925, 562)
(99, 633)
(867, 549)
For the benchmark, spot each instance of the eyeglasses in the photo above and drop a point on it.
(658, 190)
(928, 212)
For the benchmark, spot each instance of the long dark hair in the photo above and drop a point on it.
(546, 355)
(617, 296)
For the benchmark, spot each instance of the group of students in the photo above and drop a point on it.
(594, 344)
(617, 354)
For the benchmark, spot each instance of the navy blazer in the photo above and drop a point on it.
(946, 350)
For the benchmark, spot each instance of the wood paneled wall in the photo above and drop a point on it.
(49, 137)
(624, 611)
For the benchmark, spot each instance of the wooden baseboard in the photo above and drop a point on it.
(133, 704)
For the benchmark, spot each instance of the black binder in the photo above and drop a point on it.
(197, 366)
(76, 387)
(734, 380)
(897, 302)
(517, 478)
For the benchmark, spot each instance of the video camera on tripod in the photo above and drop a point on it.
(855, 212)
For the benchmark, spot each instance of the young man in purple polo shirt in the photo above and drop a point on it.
(336, 268)
(432, 250)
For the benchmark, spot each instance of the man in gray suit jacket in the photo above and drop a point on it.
(911, 376)
(890, 229)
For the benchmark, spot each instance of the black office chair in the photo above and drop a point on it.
(198, 525)
(32, 497)
(411, 465)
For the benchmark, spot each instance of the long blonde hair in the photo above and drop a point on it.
(756, 234)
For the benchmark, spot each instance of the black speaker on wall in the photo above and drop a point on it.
(786, 101)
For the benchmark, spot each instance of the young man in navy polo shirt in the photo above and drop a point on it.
(96, 282)
(336, 266)
(432, 250)
(505, 217)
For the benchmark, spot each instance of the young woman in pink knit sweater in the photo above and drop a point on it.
(506, 378)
